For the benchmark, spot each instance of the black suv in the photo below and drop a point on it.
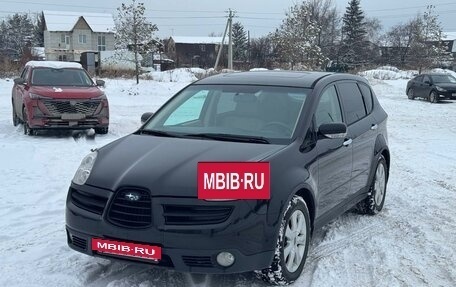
(433, 87)
(324, 136)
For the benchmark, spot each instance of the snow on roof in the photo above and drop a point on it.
(53, 64)
(449, 36)
(197, 40)
(66, 20)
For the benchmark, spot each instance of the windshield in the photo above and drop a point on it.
(267, 113)
(443, 79)
(60, 77)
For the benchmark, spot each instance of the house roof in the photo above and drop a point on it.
(66, 20)
(449, 36)
(196, 40)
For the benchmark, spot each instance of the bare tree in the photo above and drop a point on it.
(135, 32)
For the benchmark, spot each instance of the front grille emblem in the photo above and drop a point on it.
(73, 103)
(132, 196)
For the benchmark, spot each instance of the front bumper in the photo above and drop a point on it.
(68, 114)
(450, 95)
(185, 247)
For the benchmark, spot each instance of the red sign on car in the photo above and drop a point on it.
(233, 180)
(126, 249)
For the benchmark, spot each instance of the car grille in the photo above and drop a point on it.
(195, 214)
(198, 261)
(90, 202)
(57, 108)
(131, 208)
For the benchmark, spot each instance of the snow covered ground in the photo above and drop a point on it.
(411, 243)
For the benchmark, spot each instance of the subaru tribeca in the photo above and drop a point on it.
(58, 95)
(323, 135)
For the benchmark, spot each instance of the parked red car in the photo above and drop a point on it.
(58, 95)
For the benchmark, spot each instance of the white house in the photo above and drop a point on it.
(67, 34)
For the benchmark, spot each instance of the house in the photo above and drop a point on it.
(68, 34)
(449, 38)
(193, 51)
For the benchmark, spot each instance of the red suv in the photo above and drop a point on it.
(58, 95)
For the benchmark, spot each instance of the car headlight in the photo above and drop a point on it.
(440, 89)
(84, 170)
(36, 96)
(100, 97)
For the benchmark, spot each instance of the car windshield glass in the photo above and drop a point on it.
(244, 113)
(60, 77)
(443, 79)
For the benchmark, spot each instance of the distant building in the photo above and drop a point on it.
(68, 34)
(193, 51)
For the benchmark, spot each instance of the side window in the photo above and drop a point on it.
(419, 79)
(367, 96)
(24, 73)
(426, 79)
(190, 110)
(328, 110)
(352, 101)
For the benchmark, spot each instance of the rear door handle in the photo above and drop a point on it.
(374, 127)
(348, 142)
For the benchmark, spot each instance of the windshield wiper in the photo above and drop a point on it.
(158, 133)
(229, 137)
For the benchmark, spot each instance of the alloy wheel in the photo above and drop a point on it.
(295, 241)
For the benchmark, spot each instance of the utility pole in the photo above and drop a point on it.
(229, 25)
(230, 41)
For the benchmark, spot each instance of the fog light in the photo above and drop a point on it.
(225, 259)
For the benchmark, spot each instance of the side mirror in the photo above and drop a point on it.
(427, 82)
(333, 130)
(100, 83)
(146, 116)
(19, 81)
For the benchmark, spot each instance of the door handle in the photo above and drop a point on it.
(348, 142)
(374, 127)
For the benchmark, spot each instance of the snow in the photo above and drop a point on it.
(64, 21)
(185, 75)
(444, 71)
(410, 243)
(449, 36)
(258, 69)
(54, 64)
(388, 73)
(197, 40)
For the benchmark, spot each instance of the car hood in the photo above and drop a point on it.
(67, 92)
(447, 86)
(166, 166)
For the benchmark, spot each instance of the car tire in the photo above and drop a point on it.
(433, 97)
(16, 120)
(411, 94)
(27, 130)
(375, 199)
(292, 245)
(101, 131)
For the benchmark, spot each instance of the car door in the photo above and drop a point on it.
(334, 156)
(418, 86)
(18, 93)
(361, 130)
(426, 87)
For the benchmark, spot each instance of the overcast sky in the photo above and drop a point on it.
(202, 17)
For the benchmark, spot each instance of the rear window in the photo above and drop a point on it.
(60, 77)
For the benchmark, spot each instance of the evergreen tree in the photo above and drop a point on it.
(135, 32)
(240, 42)
(39, 31)
(354, 35)
(17, 33)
